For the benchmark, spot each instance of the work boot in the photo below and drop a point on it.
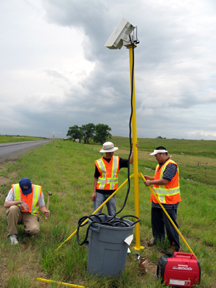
(13, 239)
(174, 246)
(151, 242)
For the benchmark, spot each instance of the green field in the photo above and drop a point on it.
(18, 138)
(66, 169)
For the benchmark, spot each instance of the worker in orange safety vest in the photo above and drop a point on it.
(23, 203)
(166, 187)
(106, 177)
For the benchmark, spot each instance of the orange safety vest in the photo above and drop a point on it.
(169, 193)
(108, 179)
(31, 199)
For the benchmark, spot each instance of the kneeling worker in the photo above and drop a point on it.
(23, 201)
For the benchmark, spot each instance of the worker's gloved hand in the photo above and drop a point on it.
(25, 206)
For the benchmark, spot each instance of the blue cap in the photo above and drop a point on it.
(25, 185)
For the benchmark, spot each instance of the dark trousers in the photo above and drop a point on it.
(160, 221)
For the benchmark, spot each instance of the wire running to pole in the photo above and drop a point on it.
(130, 129)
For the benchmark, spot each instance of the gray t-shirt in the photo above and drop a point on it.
(10, 197)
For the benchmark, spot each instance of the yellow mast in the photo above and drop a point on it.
(135, 150)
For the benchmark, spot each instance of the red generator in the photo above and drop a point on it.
(179, 269)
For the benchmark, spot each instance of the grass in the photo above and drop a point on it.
(18, 138)
(66, 169)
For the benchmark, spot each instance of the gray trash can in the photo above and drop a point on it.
(107, 251)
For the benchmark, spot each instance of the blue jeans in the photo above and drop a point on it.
(111, 204)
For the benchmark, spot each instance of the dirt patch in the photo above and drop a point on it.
(2, 213)
(3, 180)
(62, 194)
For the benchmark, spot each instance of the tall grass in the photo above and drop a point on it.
(66, 169)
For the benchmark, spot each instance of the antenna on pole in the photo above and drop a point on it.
(124, 35)
(120, 36)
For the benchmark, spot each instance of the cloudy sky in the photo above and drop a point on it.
(56, 72)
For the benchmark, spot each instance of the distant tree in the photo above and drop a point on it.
(75, 132)
(88, 131)
(102, 133)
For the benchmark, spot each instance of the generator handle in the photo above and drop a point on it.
(189, 255)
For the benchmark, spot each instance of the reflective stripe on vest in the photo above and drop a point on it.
(31, 199)
(169, 193)
(108, 179)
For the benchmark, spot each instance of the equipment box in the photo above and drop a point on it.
(179, 269)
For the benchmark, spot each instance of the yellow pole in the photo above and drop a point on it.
(135, 151)
(97, 210)
(60, 283)
(168, 216)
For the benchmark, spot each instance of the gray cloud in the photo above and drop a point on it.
(175, 64)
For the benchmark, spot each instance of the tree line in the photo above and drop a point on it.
(98, 133)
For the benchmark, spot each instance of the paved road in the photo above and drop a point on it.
(9, 148)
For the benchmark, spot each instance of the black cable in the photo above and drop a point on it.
(113, 221)
(130, 130)
(82, 223)
(116, 222)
